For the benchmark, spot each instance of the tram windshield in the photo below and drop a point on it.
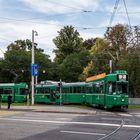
(122, 88)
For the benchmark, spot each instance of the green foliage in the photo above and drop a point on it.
(88, 43)
(17, 62)
(67, 42)
(99, 60)
(130, 61)
(73, 66)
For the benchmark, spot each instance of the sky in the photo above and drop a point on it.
(90, 17)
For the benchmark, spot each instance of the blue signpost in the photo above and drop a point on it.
(34, 69)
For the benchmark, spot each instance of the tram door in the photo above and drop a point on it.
(53, 96)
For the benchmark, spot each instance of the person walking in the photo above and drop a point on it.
(9, 100)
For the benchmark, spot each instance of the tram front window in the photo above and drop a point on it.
(122, 88)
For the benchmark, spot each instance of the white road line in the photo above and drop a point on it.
(137, 115)
(59, 122)
(40, 118)
(64, 122)
(127, 115)
(84, 133)
(114, 119)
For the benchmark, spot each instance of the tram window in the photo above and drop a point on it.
(112, 87)
(77, 89)
(22, 91)
(122, 88)
(74, 90)
(7, 90)
(94, 88)
(1, 90)
(89, 89)
(64, 90)
(42, 90)
(47, 90)
(70, 89)
(37, 90)
(101, 88)
(83, 89)
(57, 90)
(97, 88)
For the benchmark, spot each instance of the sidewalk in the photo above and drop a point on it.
(53, 109)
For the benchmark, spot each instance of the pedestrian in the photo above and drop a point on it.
(9, 100)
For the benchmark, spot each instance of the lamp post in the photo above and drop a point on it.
(34, 33)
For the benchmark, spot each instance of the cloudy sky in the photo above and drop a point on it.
(90, 17)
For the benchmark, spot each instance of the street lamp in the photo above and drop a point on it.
(34, 33)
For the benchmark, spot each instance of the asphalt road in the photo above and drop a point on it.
(62, 126)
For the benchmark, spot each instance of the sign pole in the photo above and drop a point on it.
(60, 93)
(33, 61)
(110, 65)
(34, 33)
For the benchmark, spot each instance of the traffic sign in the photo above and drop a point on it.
(34, 69)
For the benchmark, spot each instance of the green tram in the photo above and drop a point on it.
(68, 93)
(108, 91)
(18, 91)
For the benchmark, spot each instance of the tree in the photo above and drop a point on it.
(99, 59)
(73, 65)
(118, 38)
(17, 60)
(87, 71)
(89, 43)
(67, 42)
(130, 61)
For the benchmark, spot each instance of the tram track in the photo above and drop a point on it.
(113, 132)
(136, 136)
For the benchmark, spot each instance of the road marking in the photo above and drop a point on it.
(84, 133)
(40, 118)
(127, 115)
(58, 122)
(137, 115)
(115, 119)
(64, 122)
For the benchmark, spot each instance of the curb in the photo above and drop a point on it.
(69, 112)
(50, 111)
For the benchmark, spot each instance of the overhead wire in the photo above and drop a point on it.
(28, 19)
(114, 12)
(55, 24)
(127, 13)
(129, 22)
(64, 5)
